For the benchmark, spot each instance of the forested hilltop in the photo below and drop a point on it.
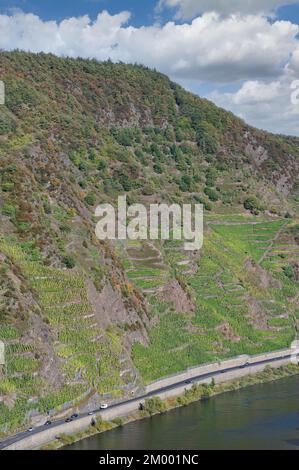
(83, 319)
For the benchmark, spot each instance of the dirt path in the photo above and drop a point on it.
(270, 247)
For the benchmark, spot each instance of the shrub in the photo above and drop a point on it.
(90, 199)
(158, 169)
(252, 204)
(154, 405)
(9, 210)
(83, 184)
(288, 272)
(12, 168)
(185, 183)
(69, 262)
(83, 166)
(92, 155)
(7, 187)
(118, 421)
(212, 194)
(102, 165)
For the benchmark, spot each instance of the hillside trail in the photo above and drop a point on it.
(270, 247)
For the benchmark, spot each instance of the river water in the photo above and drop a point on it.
(260, 417)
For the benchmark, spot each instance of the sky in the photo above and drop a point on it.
(241, 54)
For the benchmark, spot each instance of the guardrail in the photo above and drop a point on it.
(215, 367)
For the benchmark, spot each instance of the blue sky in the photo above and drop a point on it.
(242, 54)
(290, 13)
(143, 11)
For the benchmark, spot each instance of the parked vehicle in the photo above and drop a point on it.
(104, 406)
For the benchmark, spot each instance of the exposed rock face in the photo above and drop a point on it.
(261, 276)
(283, 171)
(259, 155)
(174, 293)
(228, 333)
(109, 308)
(75, 134)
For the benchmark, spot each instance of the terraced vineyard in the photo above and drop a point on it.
(242, 303)
(85, 320)
(86, 357)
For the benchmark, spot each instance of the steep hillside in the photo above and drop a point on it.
(83, 319)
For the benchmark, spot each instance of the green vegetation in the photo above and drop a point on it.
(238, 304)
(205, 391)
(85, 362)
(80, 317)
(153, 406)
(196, 393)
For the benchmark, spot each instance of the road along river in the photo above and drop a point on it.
(165, 388)
(264, 416)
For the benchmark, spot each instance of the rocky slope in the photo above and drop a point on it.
(83, 319)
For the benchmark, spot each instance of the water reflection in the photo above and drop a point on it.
(260, 417)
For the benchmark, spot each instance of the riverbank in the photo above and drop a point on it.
(155, 405)
(166, 389)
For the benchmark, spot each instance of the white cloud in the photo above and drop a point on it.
(265, 105)
(186, 9)
(210, 48)
(255, 92)
(73, 36)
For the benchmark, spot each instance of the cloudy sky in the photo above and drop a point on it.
(241, 54)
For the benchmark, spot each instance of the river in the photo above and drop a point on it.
(264, 416)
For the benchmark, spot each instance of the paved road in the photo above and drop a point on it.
(58, 423)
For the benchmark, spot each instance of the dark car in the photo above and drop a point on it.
(75, 415)
(188, 382)
(68, 420)
(48, 423)
(247, 364)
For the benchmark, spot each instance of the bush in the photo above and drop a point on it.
(12, 168)
(83, 166)
(118, 421)
(154, 405)
(83, 184)
(69, 262)
(252, 204)
(289, 272)
(102, 165)
(158, 169)
(92, 155)
(90, 199)
(7, 187)
(9, 210)
(212, 194)
(186, 183)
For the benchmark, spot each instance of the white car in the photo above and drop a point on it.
(30, 429)
(104, 406)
